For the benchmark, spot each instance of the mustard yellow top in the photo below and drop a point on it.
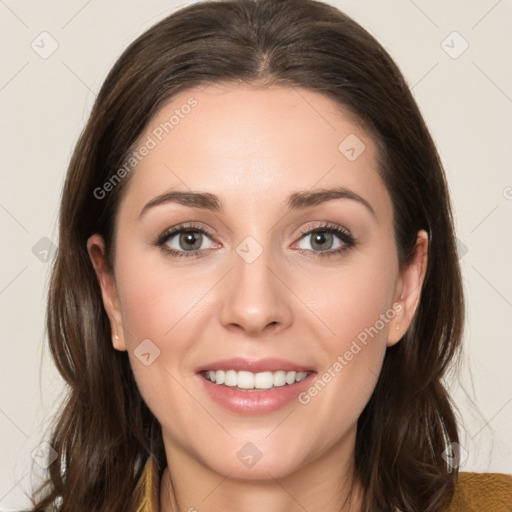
(475, 492)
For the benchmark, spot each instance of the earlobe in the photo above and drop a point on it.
(409, 287)
(96, 250)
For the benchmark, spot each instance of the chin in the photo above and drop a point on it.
(262, 470)
(257, 460)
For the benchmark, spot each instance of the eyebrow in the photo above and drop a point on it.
(296, 201)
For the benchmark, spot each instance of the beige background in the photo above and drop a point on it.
(466, 101)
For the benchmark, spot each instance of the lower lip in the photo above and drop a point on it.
(255, 401)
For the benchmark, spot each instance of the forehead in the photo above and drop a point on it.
(255, 146)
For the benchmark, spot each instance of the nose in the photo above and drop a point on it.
(255, 296)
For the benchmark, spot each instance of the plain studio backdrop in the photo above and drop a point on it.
(456, 58)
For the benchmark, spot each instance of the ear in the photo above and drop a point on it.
(408, 290)
(96, 250)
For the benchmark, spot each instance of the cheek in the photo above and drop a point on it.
(157, 314)
(352, 301)
(164, 305)
(355, 308)
(158, 300)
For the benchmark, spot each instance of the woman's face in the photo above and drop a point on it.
(271, 274)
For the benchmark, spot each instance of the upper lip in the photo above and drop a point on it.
(254, 366)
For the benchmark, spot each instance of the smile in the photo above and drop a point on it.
(245, 380)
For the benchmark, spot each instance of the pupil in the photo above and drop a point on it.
(321, 238)
(190, 239)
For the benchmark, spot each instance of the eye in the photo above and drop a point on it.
(188, 240)
(183, 240)
(323, 240)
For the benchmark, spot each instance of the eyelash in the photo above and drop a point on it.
(347, 238)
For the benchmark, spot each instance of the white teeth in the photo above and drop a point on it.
(263, 380)
(300, 376)
(245, 380)
(250, 380)
(290, 377)
(279, 378)
(231, 378)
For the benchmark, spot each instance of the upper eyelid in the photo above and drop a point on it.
(326, 226)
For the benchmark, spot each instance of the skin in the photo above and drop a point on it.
(253, 148)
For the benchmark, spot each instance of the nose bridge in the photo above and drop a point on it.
(256, 297)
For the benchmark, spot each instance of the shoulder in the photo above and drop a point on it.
(481, 492)
(147, 491)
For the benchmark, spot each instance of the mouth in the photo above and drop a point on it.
(254, 387)
(249, 381)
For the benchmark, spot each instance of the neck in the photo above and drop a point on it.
(326, 484)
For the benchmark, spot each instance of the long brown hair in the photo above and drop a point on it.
(105, 431)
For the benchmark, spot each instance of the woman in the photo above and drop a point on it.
(257, 293)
